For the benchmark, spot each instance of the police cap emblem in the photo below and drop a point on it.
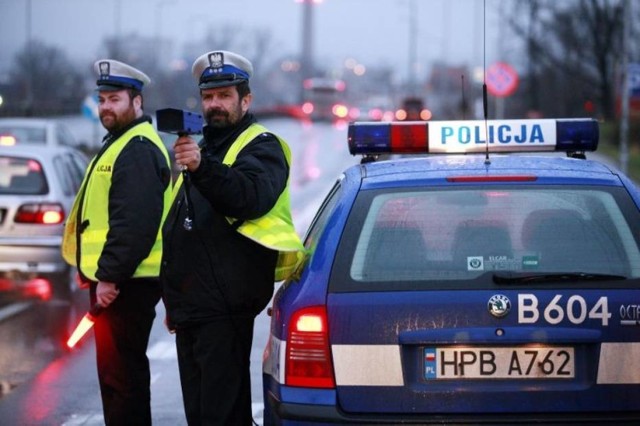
(216, 60)
(105, 68)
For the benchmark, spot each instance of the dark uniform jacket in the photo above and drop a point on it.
(135, 205)
(213, 271)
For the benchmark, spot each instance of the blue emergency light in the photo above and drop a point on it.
(469, 136)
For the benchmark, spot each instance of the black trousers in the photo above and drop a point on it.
(122, 335)
(214, 360)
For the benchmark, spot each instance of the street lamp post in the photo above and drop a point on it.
(413, 46)
(306, 55)
(117, 28)
(28, 103)
(159, 43)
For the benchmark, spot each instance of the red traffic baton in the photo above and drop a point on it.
(84, 325)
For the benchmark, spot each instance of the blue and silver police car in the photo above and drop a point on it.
(466, 287)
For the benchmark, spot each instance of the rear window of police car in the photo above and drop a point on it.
(447, 238)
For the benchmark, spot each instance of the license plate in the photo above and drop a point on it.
(530, 362)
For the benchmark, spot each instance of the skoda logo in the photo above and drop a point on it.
(499, 305)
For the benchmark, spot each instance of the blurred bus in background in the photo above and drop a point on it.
(324, 99)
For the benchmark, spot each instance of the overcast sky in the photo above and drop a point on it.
(371, 31)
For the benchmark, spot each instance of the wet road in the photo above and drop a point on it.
(25, 349)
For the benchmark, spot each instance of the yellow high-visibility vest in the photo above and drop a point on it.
(95, 210)
(275, 229)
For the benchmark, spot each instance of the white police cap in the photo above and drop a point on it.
(220, 68)
(115, 75)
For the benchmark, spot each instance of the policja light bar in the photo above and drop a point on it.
(470, 136)
(84, 325)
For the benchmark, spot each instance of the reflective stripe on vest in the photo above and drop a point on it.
(95, 210)
(275, 229)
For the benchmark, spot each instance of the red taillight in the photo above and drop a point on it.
(39, 288)
(425, 115)
(340, 111)
(308, 358)
(40, 213)
(307, 108)
(34, 166)
(401, 114)
(376, 114)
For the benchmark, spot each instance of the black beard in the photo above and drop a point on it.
(217, 118)
(113, 127)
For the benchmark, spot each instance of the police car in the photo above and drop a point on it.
(468, 287)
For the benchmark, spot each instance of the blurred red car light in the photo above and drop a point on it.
(46, 214)
(39, 288)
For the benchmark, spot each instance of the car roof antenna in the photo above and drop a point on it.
(484, 80)
(464, 100)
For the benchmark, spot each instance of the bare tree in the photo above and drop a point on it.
(573, 48)
(44, 82)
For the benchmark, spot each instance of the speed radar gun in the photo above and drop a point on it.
(181, 123)
(84, 325)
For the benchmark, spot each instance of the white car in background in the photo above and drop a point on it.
(35, 131)
(37, 187)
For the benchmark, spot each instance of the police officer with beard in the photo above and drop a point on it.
(227, 238)
(113, 235)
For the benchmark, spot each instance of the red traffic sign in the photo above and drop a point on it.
(501, 79)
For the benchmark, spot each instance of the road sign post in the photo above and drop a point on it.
(502, 81)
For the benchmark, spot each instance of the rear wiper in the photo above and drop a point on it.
(528, 277)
